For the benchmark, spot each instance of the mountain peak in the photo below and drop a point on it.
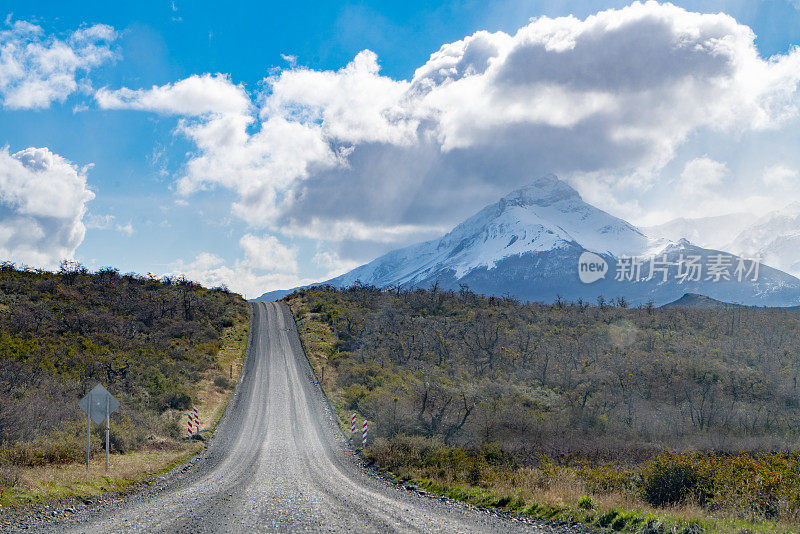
(544, 191)
(546, 216)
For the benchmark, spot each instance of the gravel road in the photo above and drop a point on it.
(277, 463)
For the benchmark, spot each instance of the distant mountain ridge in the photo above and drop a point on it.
(711, 232)
(529, 243)
(774, 237)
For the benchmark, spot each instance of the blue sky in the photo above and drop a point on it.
(383, 190)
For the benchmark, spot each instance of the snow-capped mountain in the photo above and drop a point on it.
(532, 243)
(547, 215)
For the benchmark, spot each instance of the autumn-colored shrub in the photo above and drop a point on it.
(672, 479)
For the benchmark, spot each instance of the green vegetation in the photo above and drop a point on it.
(158, 345)
(639, 420)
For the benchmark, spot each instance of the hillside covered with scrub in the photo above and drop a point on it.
(472, 396)
(147, 340)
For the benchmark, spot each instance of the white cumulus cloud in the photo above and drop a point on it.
(265, 264)
(267, 253)
(37, 69)
(196, 95)
(702, 175)
(780, 176)
(43, 200)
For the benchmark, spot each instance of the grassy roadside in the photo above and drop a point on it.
(555, 497)
(42, 484)
(215, 387)
(319, 344)
(549, 492)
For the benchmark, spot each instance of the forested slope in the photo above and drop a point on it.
(645, 406)
(474, 370)
(148, 340)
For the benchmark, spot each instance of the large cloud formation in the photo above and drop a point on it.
(618, 93)
(38, 69)
(42, 203)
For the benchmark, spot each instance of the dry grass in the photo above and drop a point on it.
(212, 398)
(319, 343)
(49, 483)
(21, 486)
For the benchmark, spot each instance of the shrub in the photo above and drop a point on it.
(619, 522)
(606, 478)
(474, 474)
(57, 448)
(692, 528)
(222, 382)
(125, 437)
(226, 321)
(653, 526)
(672, 479)
(607, 518)
(586, 503)
(174, 399)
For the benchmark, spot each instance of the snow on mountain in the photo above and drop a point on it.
(545, 215)
(710, 232)
(775, 238)
(529, 245)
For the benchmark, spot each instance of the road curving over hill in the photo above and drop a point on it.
(279, 463)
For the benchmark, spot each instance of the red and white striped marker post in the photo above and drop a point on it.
(364, 434)
(353, 424)
(193, 421)
(196, 421)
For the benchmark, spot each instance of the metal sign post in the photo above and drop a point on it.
(88, 432)
(108, 427)
(98, 404)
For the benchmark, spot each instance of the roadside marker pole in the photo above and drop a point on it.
(353, 424)
(88, 432)
(108, 427)
(196, 421)
(189, 426)
(364, 435)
